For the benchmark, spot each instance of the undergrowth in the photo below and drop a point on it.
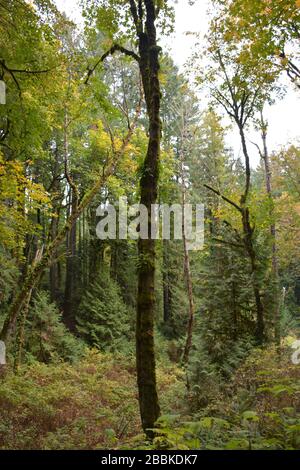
(93, 404)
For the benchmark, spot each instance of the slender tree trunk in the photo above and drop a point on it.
(166, 285)
(54, 285)
(268, 176)
(188, 277)
(248, 241)
(144, 13)
(54, 226)
(249, 245)
(145, 354)
(234, 311)
(240, 110)
(85, 250)
(247, 164)
(187, 269)
(68, 314)
(71, 267)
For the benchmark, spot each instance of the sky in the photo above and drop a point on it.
(283, 117)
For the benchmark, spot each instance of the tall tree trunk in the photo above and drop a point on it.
(54, 274)
(188, 277)
(54, 225)
(268, 177)
(144, 14)
(71, 269)
(85, 250)
(145, 354)
(68, 314)
(239, 108)
(187, 269)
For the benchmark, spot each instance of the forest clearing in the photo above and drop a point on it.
(149, 225)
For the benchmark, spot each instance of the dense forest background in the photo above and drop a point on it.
(141, 343)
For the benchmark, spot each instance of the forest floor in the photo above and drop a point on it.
(93, 405)
(90, 405)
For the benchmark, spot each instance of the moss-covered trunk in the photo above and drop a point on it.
(145, 355)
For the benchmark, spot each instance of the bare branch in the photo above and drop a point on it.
(258, 148)
(251, 107)
(111, 51)
(221, 99)
(223, 197)
(228, 82)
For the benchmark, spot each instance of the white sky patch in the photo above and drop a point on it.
(282, 117)
(71, 8)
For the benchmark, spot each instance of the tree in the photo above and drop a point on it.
(103, 319)
(239, 93)
(264, 154)
(144, 15)
(187, 112)
(222, 286)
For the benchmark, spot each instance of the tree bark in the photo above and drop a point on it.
(145, 355)
(21, 331)
(144, 13)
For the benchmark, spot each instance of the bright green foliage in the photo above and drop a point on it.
(103, 319)
(47, 338)
(266, 33)
(20, 198)
(57, 138)
(29, 43)
(262, 414)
